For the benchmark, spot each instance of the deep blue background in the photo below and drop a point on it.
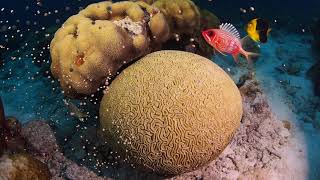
(289, 12)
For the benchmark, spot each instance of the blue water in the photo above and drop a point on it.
(29, 92)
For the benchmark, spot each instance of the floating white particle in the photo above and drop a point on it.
(243, 10)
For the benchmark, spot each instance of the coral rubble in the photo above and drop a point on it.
(44, 147)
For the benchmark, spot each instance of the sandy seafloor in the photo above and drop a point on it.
(290, 96)
(29, 94)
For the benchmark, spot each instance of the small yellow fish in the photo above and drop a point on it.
(75, 111)
(258, 30)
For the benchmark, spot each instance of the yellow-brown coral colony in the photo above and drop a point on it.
(171, 112)
(182, 15)
(104, 35)
(108, 34)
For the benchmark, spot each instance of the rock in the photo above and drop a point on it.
(22, 166)
(10, 138)
(258, 173)
(74, 172)
(41, 138)
(242, 80)
(290, 68)
(14, 141)
(286, 124)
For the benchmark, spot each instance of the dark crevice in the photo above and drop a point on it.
(75, 33)
(2, 128)
(109, 9)
(146, 14)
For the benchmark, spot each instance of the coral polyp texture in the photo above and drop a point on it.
(22, 166)
(91, 46)
(171, 112)
(183, 15)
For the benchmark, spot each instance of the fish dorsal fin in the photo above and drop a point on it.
(231, 29)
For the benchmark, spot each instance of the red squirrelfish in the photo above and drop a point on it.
(226, 39)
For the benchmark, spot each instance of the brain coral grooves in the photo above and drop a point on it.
(91, 46)
(171, 112)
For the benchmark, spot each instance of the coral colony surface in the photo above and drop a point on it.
(99, 90)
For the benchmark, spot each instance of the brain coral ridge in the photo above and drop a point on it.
(171, 112)
(91, 46)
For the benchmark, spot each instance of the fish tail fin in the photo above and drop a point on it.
(236, 58)
(242, 40)
(249, 55)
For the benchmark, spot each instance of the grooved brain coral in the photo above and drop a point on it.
(91, 46)
(171, 112)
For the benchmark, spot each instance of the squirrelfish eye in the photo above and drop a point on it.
(210, 33)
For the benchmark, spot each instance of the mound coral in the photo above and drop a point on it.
(22, 166)
(91, 46)
(209, 20)
(183, 15)
(171, 112)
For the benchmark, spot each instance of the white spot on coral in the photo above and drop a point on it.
(131, 26)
